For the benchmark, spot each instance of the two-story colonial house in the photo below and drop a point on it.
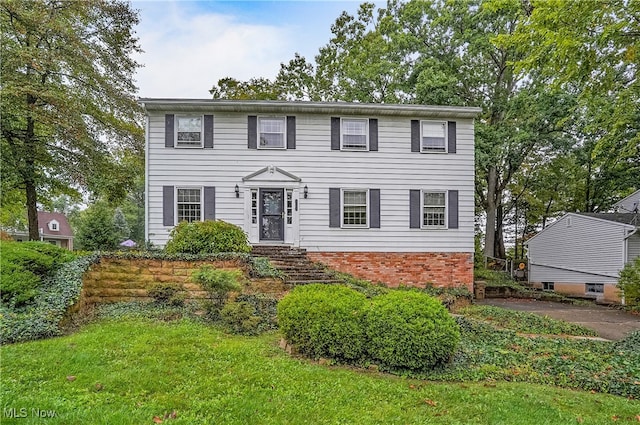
(385, 192)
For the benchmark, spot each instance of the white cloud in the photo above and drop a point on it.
(187, 50)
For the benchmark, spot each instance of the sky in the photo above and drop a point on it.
(190, 45)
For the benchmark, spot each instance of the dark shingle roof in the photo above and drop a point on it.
(625, 218)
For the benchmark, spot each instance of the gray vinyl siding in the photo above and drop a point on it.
(587, 250)
(393, 169)
(629, 203)
(633, 247)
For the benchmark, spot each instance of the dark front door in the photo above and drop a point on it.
(271, 214)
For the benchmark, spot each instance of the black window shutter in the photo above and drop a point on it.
(373, 134)
(252, 132)
(335, 133)
(374, 198)
(415, 136)
(167, 206)
(168, 130)
(334, 207)
(414, 209)
(453, 209)
(451, 129)
(209, 203)
(291, 132)
(208, 131)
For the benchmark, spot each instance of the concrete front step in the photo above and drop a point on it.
(294, 263)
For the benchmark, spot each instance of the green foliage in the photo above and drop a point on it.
(629, 282)
(521, 321)
(240, 318)
(24, 266)
(218, 284)
(96, 230)
(410, 330)
(120, 225)
(203, 237)
(324, 321)
(262, 267)
(166, 293)
(41, 319)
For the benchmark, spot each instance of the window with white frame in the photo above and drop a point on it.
(289, 206)
(354, 208)
(548, 286)
(594, 288)
(254, 206)
(53, 225)
(354, 134)
(434, 136)
(434, 207)
(271, 132)
(189, 204)
(189, 131)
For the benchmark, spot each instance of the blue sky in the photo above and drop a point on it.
(191, 45)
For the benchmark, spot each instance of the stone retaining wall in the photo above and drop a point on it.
(115, 280)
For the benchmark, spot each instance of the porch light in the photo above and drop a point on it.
(306, 192)
(237, 191)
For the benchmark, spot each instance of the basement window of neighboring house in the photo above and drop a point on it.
(271, 133)
(548, 286)
(594, 288)
(189, 204)
(354, 134)
(189, 131)
(434, 210)
(354, 208)
(434, 136)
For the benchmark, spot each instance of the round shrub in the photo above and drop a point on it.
(207, 237)
(410, 330)
(324, 321)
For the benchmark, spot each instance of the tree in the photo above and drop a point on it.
(68, 106)
(96, 230)
(120, 225)
(254, 89)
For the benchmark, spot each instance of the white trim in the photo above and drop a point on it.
(446, 136)
(54, 225)
(366, 134)
(175, 203)
(176, 143)
(146, 180)
(368, 217)
(284, 132)
(446, 209)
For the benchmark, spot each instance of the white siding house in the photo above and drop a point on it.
(582, 254)
(629, 204)
(327, 177)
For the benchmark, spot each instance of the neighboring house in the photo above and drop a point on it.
(382, 191)
(53, 227)
(582, 254)
(630, 204)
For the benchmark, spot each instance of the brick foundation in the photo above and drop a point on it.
(445, 269)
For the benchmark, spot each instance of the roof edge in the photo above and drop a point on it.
(197, 105)
(629, 226)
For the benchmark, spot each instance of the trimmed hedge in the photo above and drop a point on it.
(400, 329)
(410, 329)
(202, 237)
(324, 321)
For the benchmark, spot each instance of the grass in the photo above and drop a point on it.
(524, 322)
(129, 371)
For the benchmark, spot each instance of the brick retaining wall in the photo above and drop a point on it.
(403, 268)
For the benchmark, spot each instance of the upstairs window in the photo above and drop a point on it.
(189, 131)
(189, 205)
(354, 208)
(434, 210)
(433, 137)
(271, 133)
(54, 226)
(354, 134)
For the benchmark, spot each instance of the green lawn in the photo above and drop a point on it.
(128, 371)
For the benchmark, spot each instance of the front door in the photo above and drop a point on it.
(272, 215)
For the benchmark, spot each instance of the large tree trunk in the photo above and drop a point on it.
(490, 229)
(499, 250)
(29, 176)
(32, 211)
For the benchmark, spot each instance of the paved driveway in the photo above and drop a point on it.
(608, 322)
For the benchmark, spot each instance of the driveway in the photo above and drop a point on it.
(610, 323)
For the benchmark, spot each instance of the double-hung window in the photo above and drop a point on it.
(434, 209)
(189, 131)
(433, 136)
(189, 204)
(354, 134)
(271, 132)
(355, 208)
